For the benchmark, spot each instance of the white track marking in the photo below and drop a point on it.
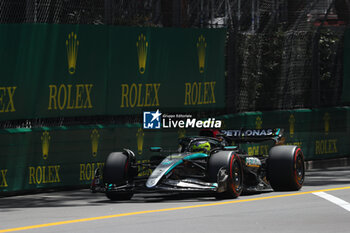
(333, 199)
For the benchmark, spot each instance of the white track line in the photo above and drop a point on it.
(333, 199)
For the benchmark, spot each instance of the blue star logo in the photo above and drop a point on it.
(151, 120)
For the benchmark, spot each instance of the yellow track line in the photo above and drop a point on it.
(163, 210)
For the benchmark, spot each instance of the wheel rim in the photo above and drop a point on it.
(299, 170)
(237, 176)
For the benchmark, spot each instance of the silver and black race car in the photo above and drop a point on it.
(212, 162)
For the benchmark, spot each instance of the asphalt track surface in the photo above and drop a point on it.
(322, 205)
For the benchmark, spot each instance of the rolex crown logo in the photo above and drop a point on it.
(45, 143)
(201, 46)
(326, 119)
(291, 125)
(72, 45)
(94, 141)
(258, 123)
(181, 132)
(223, 124)
(142, 45)
(139, 137)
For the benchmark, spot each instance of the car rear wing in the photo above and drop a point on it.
(252, 135)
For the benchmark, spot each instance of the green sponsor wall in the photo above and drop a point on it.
(61, 156)
(84, 70)
(57, 157)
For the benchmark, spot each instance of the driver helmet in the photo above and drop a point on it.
(200, 146)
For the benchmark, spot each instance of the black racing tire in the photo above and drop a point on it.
(286, 169)
(117, 171)
(232, 163)
(118, 196)
(116, 168)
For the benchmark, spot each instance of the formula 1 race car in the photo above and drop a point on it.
(211, 162)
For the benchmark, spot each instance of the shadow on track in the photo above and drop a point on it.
(164, 197)
(83, 197)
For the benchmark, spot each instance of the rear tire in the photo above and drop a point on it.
(286, 169)
(232, 164)
(117, 171)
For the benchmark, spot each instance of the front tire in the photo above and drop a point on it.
(232, 164)
(286, 170)
(115, 196)
(118, 172)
